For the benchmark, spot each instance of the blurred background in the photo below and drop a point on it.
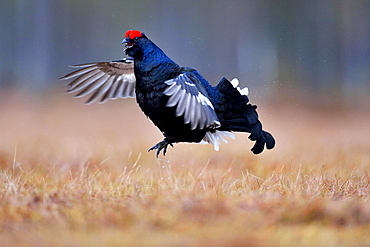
(315, 52)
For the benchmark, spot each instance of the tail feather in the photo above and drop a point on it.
(259, 145)
(270, 141)
(256, 131)
(265, 139)
(235, 114)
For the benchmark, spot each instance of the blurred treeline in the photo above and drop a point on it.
(317, 49)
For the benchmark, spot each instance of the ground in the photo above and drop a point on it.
(76, 175)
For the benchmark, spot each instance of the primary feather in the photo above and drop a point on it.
(179, 101)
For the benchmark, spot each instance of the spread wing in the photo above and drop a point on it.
(191, 102)
(104, 80)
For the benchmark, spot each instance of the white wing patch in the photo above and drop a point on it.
(196, 108)
(215, 138)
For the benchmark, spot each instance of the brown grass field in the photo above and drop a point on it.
(76, 175)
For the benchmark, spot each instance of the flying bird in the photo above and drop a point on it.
(178, 100)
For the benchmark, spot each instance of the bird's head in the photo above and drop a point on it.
(134, 41)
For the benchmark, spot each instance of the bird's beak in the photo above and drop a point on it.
(125, 40)
(128, 43)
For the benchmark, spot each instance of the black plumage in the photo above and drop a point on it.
(178, 100)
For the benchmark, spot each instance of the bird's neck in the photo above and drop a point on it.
(154, 63)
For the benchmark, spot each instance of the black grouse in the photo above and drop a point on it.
(179, 101)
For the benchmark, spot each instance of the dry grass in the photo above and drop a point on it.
(75, 175)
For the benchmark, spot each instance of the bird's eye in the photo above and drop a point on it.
(136, 38)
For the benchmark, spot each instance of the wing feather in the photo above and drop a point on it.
(86, 83)
(180, 96)
(100, 92)
(104, 80)
(93, 86)
(174, 97)
(81, 79)
(185, 94)
(110, 93)
(79, 72)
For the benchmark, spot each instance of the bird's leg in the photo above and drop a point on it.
(162, 145)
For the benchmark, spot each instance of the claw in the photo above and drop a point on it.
(162, 145)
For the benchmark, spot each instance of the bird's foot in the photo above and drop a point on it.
(162, 146)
